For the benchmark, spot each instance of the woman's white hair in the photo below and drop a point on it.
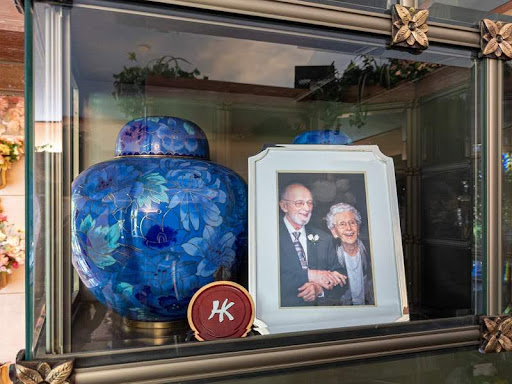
(340, 208)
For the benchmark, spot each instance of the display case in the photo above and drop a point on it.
(128, 216)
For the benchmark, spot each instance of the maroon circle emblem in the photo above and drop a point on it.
(221, 310)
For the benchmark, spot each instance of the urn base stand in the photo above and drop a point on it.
(178, 324)
(156, 332)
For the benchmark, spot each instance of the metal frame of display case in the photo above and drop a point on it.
(321, 347)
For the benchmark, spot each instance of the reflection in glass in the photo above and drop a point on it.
(507, 190)
(454, 366)
(464, 12)
(370, 5)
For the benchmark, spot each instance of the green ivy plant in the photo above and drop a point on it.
(363, 72)
(130, 83)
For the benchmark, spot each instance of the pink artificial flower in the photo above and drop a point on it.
(15, 264)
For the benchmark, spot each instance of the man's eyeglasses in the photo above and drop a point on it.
(345, 224)
(300, 203)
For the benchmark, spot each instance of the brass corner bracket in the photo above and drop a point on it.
(409, 28)
(496, 39)
(496, 334)
(31, 372)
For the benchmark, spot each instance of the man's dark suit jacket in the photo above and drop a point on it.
(321, 255)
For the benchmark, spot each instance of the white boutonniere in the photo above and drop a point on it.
(313, 238)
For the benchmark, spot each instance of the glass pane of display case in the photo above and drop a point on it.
(368, 5)
(507, 190)
(465, 12)
(455, 366)
(114, 251)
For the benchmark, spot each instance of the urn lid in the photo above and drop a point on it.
(326, 136)
(162, 135)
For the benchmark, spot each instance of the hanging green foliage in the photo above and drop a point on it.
(130, 83)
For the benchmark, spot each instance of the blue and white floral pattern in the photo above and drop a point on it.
(157, 135)
(325, 136)
(148, 232)
(212, 251)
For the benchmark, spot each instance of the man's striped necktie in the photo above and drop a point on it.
(300, 250)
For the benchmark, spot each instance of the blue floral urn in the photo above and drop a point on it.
(158, 222)
(325, 136)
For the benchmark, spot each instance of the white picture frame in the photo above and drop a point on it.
(372, 175)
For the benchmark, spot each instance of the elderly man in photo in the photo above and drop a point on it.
(344, 221)
(308, 262)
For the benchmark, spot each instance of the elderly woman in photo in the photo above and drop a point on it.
(344, 222)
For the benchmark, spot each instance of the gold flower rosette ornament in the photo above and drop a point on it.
(43, 373)
(409, 27)
(497, 334)
(496, 39)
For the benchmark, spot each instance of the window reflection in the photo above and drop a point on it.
(464, 12)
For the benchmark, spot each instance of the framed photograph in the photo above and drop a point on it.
(325, 243)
